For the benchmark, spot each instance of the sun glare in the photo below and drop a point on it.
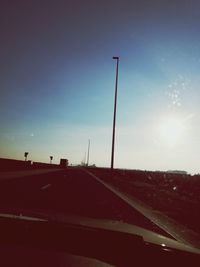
(171, 130)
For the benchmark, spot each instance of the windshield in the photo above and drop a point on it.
(99, 112)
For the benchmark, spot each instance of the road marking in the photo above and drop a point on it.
(178, 231)
(21, 217)
(45, 186)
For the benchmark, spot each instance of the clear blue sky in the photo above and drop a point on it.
(57, 81)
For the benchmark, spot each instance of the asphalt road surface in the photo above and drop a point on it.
(72, 191)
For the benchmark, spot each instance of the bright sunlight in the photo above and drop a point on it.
(171, 130)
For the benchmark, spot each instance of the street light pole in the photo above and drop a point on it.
(114, 115)
(88, 154)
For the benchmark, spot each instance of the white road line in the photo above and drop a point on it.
(178, 231)
(45, 186)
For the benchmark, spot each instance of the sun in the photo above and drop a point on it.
(171, 130)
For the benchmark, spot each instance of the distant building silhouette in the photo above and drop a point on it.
(64, 163)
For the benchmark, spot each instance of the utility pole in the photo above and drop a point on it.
(114, 115)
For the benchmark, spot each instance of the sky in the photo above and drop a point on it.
(57, 81)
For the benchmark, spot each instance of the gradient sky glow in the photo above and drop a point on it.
(57, 81)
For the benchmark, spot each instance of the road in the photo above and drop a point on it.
(70, 191)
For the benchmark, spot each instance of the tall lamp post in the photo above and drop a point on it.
(88, 154)
(114, 116)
